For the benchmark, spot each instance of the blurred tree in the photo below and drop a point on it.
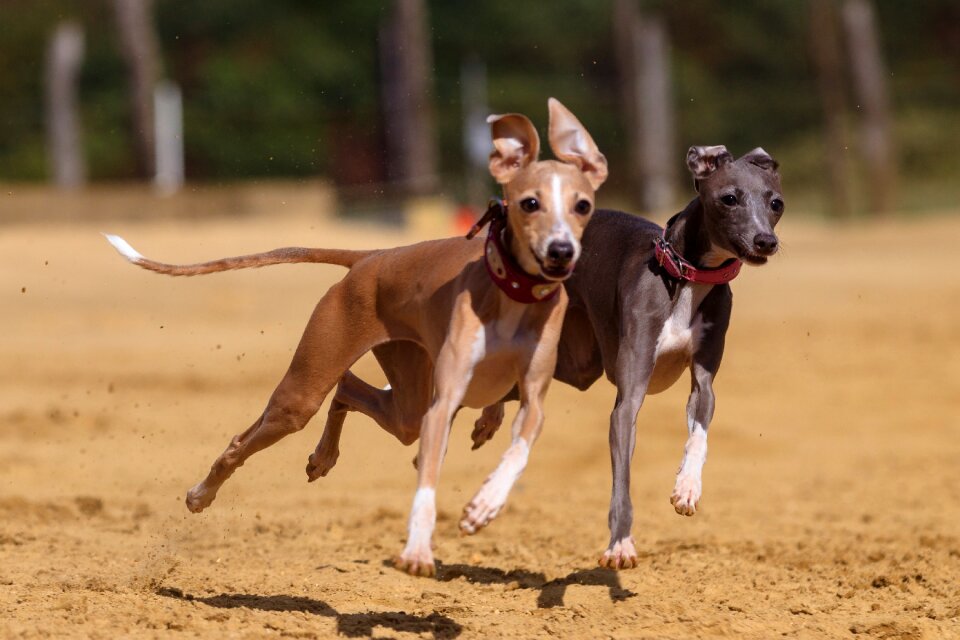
(139, 46)
(828, 56)
(406, 62)
(63, 127)
(644, 62)
(869, 75)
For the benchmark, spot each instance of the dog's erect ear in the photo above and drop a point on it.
(702, 161)
(571, 143)
(762, 159)
(515, 145)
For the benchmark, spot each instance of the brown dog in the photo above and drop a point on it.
(455, 301)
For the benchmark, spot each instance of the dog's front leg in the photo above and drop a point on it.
(689, 485)
(703, 369)
(489, 500)
(455, 362)
(527, 424)
(633, 376)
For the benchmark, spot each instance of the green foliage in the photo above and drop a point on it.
(291, 87)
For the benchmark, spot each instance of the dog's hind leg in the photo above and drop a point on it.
(332, 341)
(398, 409)
(487, 424)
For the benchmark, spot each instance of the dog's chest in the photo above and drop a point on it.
(502, 349)
(678, 338)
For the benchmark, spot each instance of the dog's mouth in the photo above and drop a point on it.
(753, 258)
(553, 271)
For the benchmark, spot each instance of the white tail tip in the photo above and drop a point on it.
(123, 247)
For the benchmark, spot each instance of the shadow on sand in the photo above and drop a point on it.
(551, 591)
(358, 625)
(352, 625)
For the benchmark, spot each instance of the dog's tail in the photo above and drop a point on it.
(342, 257)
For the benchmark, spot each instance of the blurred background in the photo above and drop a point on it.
(375, 103)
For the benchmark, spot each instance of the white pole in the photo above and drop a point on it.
(168, 120)
(64, 57)
(476, 131)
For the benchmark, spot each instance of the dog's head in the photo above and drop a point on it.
(742, 200)
(549, 202)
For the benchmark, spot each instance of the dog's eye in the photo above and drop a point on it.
(529, 205)
(583, 207)
(777, 205)
(729, 199)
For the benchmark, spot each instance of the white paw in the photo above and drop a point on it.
(417, 560)
(686, 494)
(621, 555)
(485, 506)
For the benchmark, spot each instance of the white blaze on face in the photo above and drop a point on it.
(559, 230)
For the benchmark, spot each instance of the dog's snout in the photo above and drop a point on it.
(765, 243)
(560, 252)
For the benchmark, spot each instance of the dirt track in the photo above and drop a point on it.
(831, 496)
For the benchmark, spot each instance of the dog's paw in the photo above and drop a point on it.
(417, 560)
(199, 498)
(621, 555)
(319, 465)
(485, 506)
(686, 494)
(487, 425)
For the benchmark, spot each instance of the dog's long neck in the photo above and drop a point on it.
(689, 235)
(512, 244)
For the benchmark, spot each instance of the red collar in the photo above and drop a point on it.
(502, 266)
(681, 269)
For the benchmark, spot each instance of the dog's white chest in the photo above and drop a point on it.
(678, 339)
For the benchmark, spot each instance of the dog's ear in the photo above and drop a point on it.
(702, 161)
(762, 159)
(515, 145)
(571, 143)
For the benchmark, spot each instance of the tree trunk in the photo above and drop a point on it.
(406, 62)
(64, 57)
(828, 58)
(869, 79)
(139, 47)
(644, 52)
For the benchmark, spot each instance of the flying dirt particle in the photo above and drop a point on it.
(161, 326)
(23, 289)
(110, 388)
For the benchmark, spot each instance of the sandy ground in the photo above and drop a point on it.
(832, 492)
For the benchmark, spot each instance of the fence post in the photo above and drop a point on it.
(64, 58)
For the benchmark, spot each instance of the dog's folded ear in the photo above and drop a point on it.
(762, 159)
(515, 145)
(702, 161)
(572, 143)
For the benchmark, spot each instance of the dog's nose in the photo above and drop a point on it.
(765, 243)
(560, 252)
